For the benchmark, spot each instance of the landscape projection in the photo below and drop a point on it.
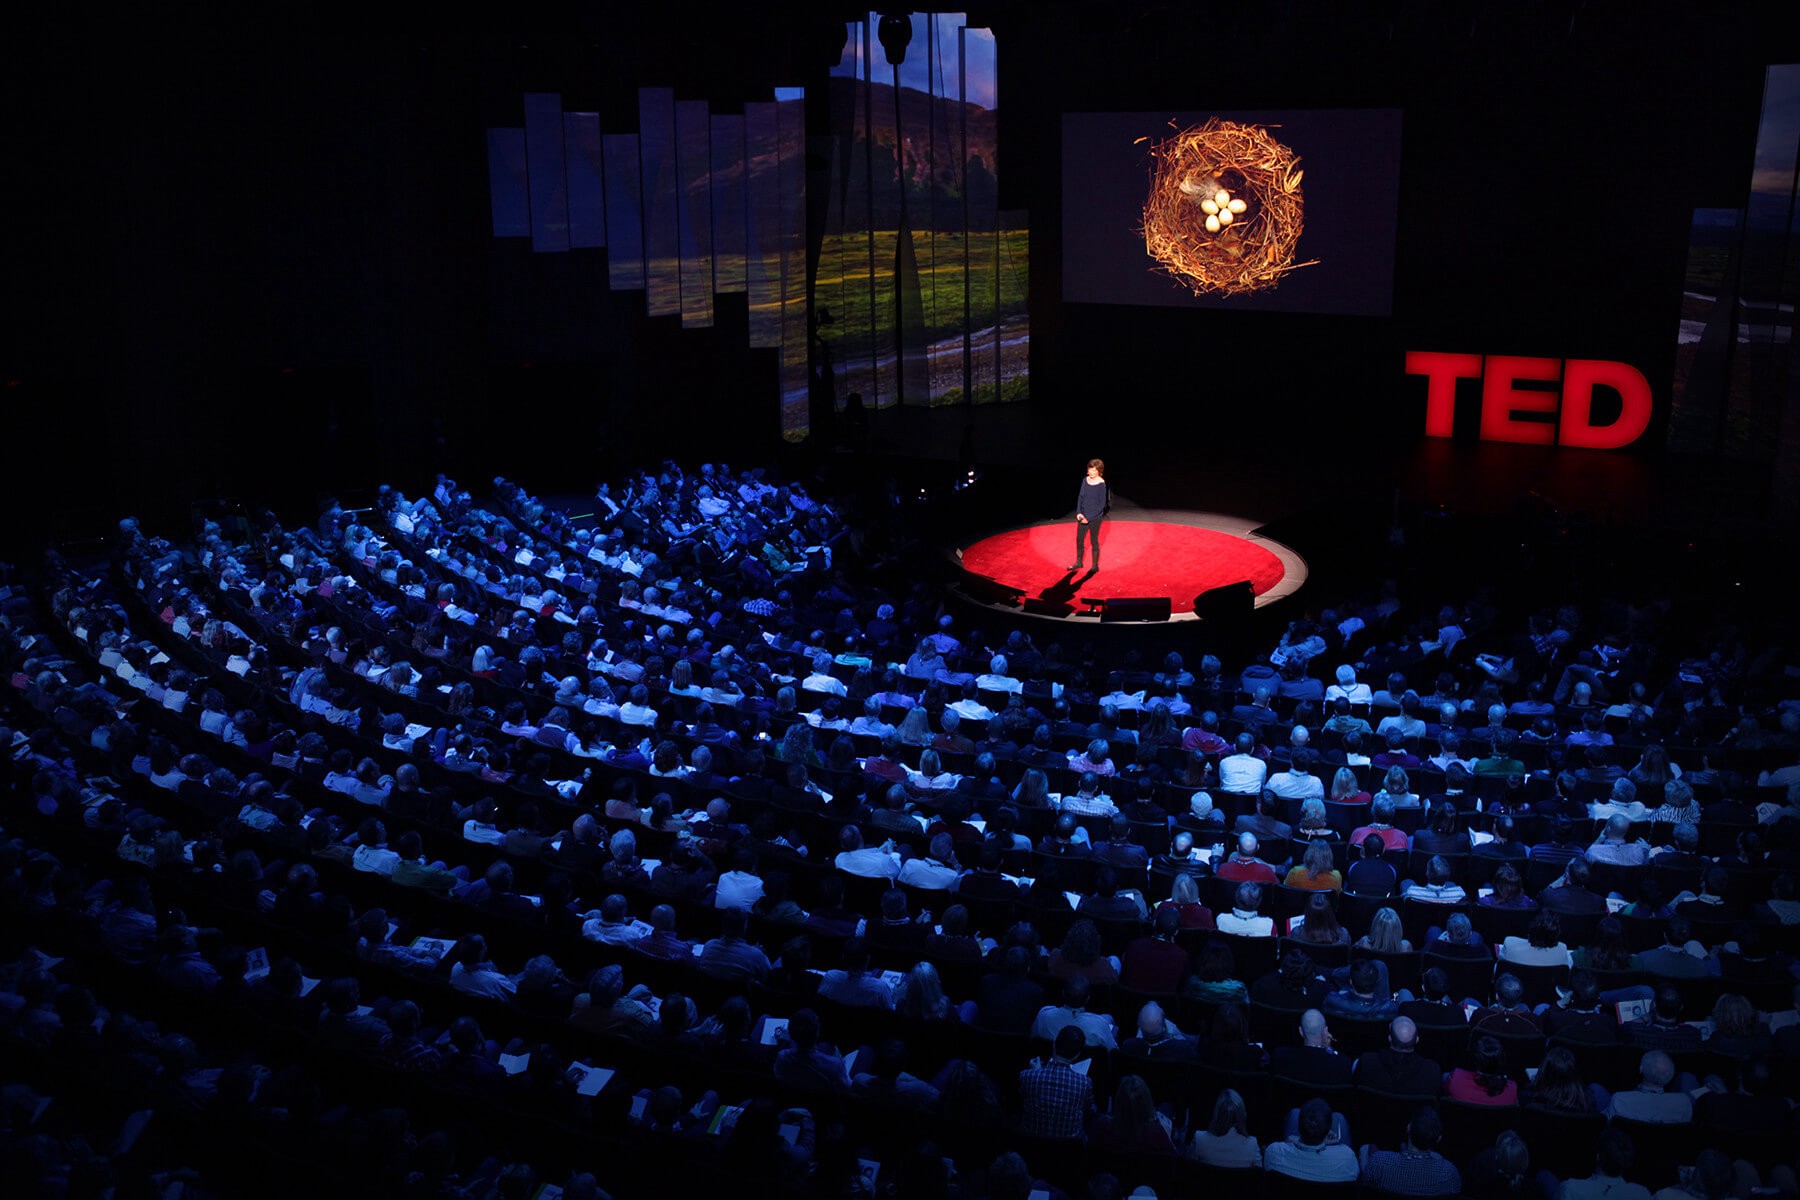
(690, 205)
(921, 284)
(1290, 211)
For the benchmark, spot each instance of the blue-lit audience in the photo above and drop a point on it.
(699, 824)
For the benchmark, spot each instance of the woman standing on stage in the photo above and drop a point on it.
(1092, 503)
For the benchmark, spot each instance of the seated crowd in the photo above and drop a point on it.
(696, 842)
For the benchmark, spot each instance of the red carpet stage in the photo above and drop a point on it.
(1143, 553)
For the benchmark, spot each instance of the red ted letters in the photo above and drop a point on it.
(1503, 402)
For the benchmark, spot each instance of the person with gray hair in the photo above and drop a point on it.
(1678, 804)
(1651, 1100)
(1202, 814)
(997, 679)
(870, 724)
(626, 866)
(822, 680)
(1347, 688)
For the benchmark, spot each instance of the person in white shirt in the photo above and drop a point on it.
(969, 710)
(740, 887)
(1120, 700)
(637, 710)
(1407, 720)
(931, 775)
(874, 862)
(997, 680)
(870, 723)
(1298, 782)
(1243, 919)
(1242, 773)
(372, 853)
(1542, 945)
(938, 872)
(1347, 688)
(611, 923)
(822, 680)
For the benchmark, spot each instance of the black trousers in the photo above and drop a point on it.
(1090, 531)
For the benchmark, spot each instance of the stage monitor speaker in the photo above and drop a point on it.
(1231, 602)
(1039, 607)
(1136, 608)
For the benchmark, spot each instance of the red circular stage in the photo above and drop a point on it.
(1146, 554)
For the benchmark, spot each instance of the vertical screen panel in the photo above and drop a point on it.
(1012, 336)
(544, 162)
(981, 199)
(693, 211)
(795, 340)
(587, 205)
(846, 281)
(1704, 335)
(946, 272)
(762, 247)
(508, 193)
(624, 214)
(728, 195)
(880, 133)
(836, 277)
(1753, 408)
(662, 237)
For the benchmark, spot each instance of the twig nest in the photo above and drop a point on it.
(1225, 208)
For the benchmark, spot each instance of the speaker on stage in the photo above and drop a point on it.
(1231, 602)
(1136, 608)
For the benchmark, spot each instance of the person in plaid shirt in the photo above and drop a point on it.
(1056, 1099)
(1416, 1169)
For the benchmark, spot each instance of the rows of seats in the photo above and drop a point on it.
(231, 621)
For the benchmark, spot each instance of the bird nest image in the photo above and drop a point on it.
(1225, 208)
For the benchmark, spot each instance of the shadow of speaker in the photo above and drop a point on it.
(1136, 608)
(983, 590)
